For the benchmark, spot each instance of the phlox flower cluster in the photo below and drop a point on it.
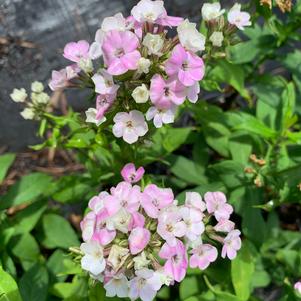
(146, 72)
(137, 240)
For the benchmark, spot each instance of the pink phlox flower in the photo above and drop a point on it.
(192, 92)
(124, 195)
(120, 51)
(97, 202)
(177, 262)
(239, 18)
(216, 203)
(87, 226)
(194, 200)
(232, 243)
(130, 126)
(297, 287)
(153, 199)
(104, 83)
(161, 115)
(131, 174)
(193, 220)
(75, 51)
(101, 234)
(171, 225)
(140, 286)
(138, 240)
(224, 225)
(165, 93)
(103, 104)
(187, 66)
(60, 79)
(202, 256)
(138, 220)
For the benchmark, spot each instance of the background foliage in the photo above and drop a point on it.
(244, 139)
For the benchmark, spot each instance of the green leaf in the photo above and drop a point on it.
(8, 287)
(242, 270)
(188, 287)
(240, 147)
(288, 106)
(26, 190)
(57, 232)
(55, 266)
(34, 284)
(175, 137)
(232, 74)
(6, 161)
(187, 170)
(25, 248)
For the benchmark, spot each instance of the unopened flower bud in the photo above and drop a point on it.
(86, 65)
(143, 65)
(258, 182)
(40, 98)
(153, 43)
(37, 87)
(28, 113)
(217, 38)
(18, 95)
(249, 170)
(141, 94)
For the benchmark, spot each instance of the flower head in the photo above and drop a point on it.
(148, 11)
(75, 51)
(161, 116)
(232, 243)
(130, 174)
(239, 18)
(138, 239)
(188, 67)
(120, 51)
(211, 11)
(165, 93)
(202, 256)
(130, 126)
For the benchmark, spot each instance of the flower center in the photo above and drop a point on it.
(169, 228)
(119, 52)
(185, 66)
(129, 124)
(166, 91)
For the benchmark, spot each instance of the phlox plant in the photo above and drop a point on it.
(137, 241)
(184, 164)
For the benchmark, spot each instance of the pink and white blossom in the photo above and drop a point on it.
(131, 174)
(140, 286)
(148, 11)
(187, 66)
(120, 51)
(194, 200)
(130, 126)
(297, 287)
(75, 51)
(165, 93)
(176, 260)
(104, 83)
(93, 260)
(153, 199)
(216, 203)
(224, 225)
(202, 256)
(193, 220)
(161, 116)
(171, 225)
(60, 79)
(138, 240)
(211, 11)
(232, 243)
(118, 286)
(239, 18)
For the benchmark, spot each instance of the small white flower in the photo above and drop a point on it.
(91, 117)
(143, 65)
(190, 38)
(37, 87)
(28, 113)
(153, 43)
(211, 11)
(117, 256)
(140, 286)
(93, 260)
(118, 285)
(141, 261)
(238, 18)
(141, 94)
(148, 11)
(18, 95)
(161, 116)
(217, 38)
(130, 126)
(120, 221)
(86, 65)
